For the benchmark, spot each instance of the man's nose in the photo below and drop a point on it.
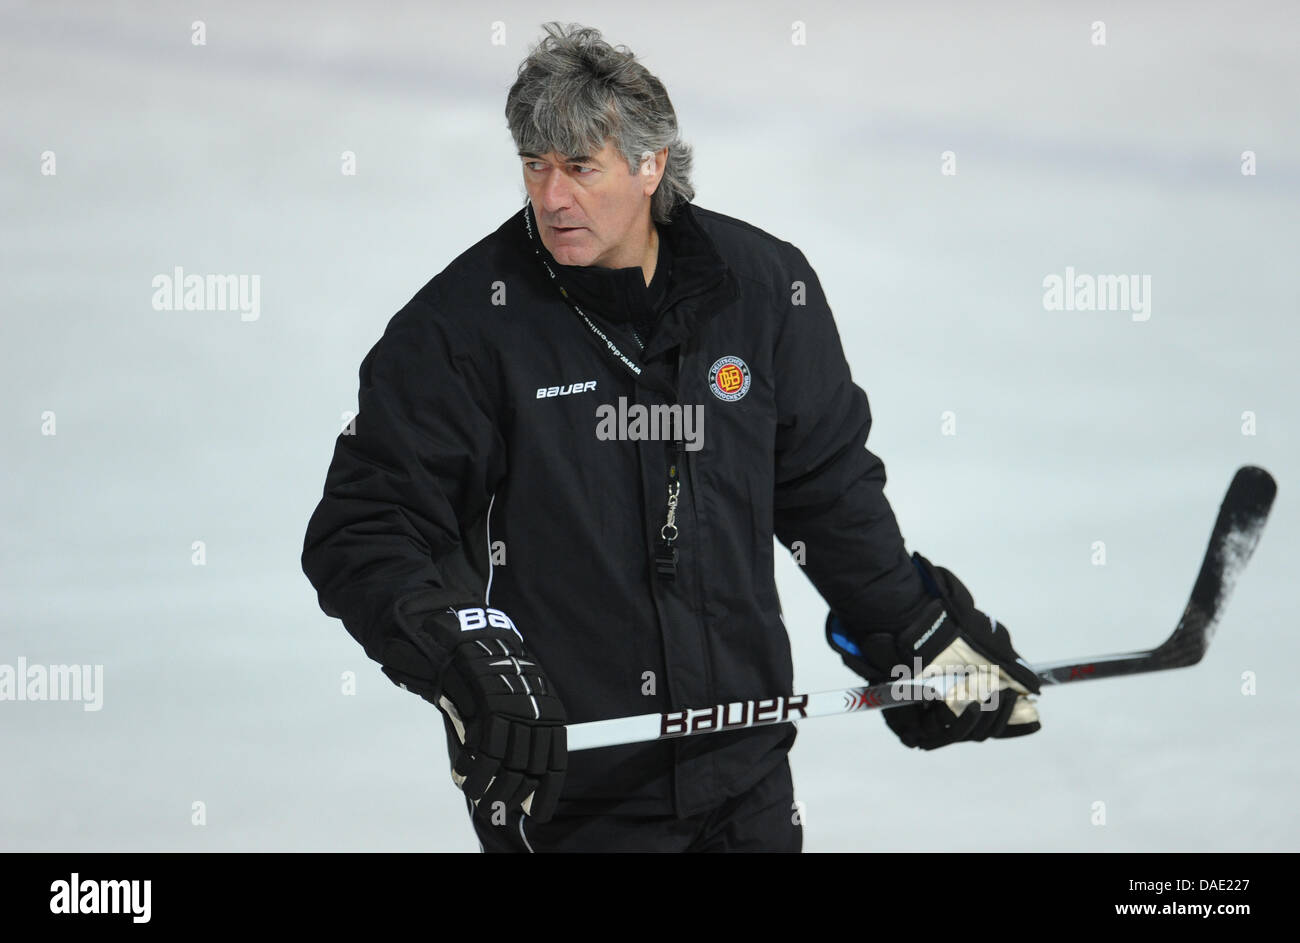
(556, 191)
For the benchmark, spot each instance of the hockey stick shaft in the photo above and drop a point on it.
(738, 715)
(1236, 531)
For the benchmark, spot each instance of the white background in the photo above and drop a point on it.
(222, 682)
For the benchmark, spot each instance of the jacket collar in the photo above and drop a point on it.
(618, 295)
(698, 281)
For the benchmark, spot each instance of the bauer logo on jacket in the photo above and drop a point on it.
(729, 378)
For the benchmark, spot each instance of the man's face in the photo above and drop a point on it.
(590, 210)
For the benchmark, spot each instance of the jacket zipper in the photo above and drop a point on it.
(682, 466)
(665, 546)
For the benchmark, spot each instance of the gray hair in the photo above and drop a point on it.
(575, 90)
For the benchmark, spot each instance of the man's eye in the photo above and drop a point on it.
(535, 165)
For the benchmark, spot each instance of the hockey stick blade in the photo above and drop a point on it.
(1232, 541)
(1236, 531)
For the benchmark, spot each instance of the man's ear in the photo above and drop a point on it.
(654, 163)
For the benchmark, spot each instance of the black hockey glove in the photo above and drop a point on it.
(506, 715)
(988, 683)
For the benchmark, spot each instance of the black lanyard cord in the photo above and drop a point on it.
(631, 365)
(665, 550)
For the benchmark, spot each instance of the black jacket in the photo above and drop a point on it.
(474, 477)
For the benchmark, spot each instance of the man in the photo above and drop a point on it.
(509, 536)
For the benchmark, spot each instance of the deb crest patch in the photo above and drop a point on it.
(729, 378)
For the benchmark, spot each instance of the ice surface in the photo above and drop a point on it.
(222, 682)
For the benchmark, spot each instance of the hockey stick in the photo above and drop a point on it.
(1241, 519)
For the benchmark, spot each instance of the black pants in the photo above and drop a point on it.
(763, 819)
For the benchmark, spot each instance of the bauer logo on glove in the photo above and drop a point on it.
(508, 721)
